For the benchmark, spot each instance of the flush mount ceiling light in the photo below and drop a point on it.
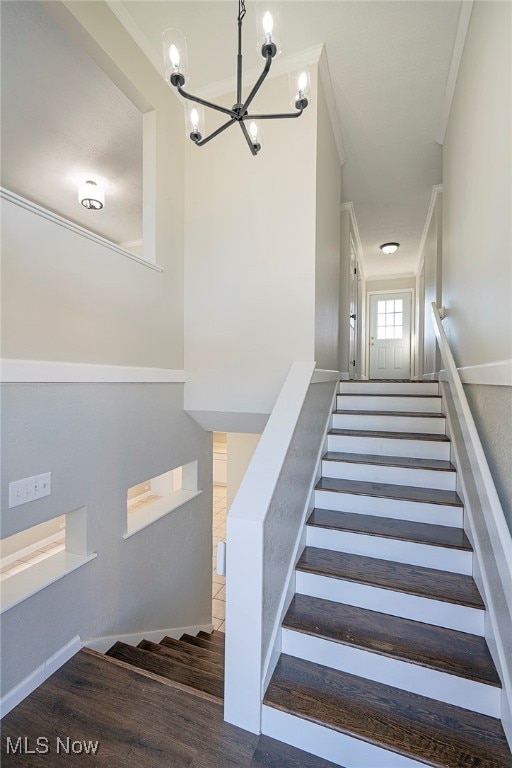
(389, 248)
(176, 73)
(91, 195)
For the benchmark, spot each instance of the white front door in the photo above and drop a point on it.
(390, 336)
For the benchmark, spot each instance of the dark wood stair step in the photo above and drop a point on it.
(426, 730)
(184, 658)
(445, 650)
(193, 650)
(390, 491)
(390, 461)
(213, 638)
(404, 530)
(411, 414)
(200, 642)
(401, 577)
(195, 679)
(394, 435)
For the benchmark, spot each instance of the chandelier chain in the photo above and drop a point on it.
(241, 9)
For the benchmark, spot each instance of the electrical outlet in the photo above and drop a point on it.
(29, 489)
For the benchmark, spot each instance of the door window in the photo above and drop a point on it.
(390, 319)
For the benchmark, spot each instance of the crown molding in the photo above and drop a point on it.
(400, 276)
(359, 246)
(458, 47)
(436, 191)
(133, 29)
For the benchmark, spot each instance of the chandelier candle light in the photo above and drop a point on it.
(176, 73)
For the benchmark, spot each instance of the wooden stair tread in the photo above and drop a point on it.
(169, 668)
(385, 394)
(429, 731)
(206, 665)
(407, 414)
(213, 638)
(404, 530)
(385, 434)
(390, 491)
(390, 461)
(193, 650)
(401, 577)
(445, 650)
(201, 643)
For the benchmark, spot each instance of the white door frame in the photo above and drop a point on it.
(369, 294)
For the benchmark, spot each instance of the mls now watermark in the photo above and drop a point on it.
(42, 745)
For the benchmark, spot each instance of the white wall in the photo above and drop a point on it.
(327, 273)
(66, 298)
(477, 241)
(250, 261)
(240, 450)
(393, 284)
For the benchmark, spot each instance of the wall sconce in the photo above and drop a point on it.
(91, 196)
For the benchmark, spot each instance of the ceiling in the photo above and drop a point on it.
(389, 65)
(63, 120)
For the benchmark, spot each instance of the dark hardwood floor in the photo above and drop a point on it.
(137, 721)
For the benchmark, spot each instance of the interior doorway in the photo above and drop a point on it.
(353, 300)
(390, 334)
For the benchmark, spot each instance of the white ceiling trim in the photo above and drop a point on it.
(133, 29)
(458, 47)
(359, 246)
(397, 276)
(436, 190)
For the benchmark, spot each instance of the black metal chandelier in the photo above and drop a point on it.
(176, 72)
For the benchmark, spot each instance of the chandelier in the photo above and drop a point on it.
(176, 73)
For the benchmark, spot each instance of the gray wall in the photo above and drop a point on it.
(98, 440)
(492, 411)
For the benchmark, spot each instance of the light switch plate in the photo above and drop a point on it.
(29, 489)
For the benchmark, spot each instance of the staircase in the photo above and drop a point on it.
(192, 663)
(383, 662)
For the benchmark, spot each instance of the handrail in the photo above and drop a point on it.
(464, 412)
(258, 549)
(487, 527)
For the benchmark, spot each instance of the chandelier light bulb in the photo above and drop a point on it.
(268, 25)
(174, 56)
(253, 130)
(302, 83)
(194, 117)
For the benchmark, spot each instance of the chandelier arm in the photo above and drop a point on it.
(247, 137)
(273, 117)
(258, 83)
(204, 103)
(216, 133)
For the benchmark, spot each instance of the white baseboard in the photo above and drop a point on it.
(51, 371)
(102, 644)
(16, 695)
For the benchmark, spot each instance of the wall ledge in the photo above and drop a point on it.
(498, 373)
(14, 371)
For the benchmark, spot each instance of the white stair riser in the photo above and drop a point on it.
(376, 473)
(390, 601)
(418, 511)
(398, 423)
(389, 446)
(376, 403)
(440, 558)
(331, 745)
(468, 694)
(389, 388)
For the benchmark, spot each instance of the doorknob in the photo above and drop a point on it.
(352, 317)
